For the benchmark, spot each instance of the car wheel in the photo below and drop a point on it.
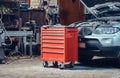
(84, 59)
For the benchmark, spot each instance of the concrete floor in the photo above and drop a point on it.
(32, 68)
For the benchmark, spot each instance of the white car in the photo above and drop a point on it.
(100, 36)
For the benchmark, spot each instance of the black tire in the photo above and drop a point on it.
(45, 63)
(55, 64)
(85, 59)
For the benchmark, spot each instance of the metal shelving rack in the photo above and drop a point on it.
(11, 14)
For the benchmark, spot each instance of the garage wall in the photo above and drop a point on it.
(70, 11)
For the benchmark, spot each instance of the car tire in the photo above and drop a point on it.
(85, 59)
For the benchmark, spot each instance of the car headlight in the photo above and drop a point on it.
(106, 30)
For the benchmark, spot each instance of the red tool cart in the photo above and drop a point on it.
(59, 44)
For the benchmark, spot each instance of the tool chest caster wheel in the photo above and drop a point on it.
(61, 66)
(55, 64)
(45, 63)
(72, 64)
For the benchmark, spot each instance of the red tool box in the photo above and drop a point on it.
(59, 44)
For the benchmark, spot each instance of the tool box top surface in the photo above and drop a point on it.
(56, 26)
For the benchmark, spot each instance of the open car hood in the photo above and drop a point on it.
(91, 3)
(103, 7)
